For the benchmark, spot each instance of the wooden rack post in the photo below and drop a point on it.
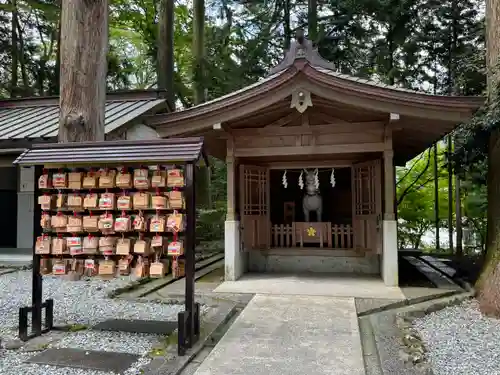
(37, 306)
(189, 319)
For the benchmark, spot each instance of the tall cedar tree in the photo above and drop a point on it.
(84, 45)
(489, 283)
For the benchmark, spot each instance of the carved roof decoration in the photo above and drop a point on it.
(302, 48)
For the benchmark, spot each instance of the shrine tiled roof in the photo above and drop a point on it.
(35, 118)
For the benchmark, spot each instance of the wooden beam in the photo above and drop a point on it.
(308, 252)
(340, 127)
(327, 118)
(310, 150)
(216, 147)
(258, 116)
(284, 120)
(305, 120)
(310, 164)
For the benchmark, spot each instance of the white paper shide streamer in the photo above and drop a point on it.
(316, 179)
(301, 180)
(284, 180)
(332, 178)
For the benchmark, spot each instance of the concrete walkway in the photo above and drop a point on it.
(290, 335)
(317, 284)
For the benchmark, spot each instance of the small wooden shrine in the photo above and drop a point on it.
(345, 133)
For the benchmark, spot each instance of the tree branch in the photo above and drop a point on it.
(409, 170)
(407, 190)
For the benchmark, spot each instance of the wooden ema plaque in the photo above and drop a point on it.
(313, 233)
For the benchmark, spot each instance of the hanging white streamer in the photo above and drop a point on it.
(332, 178)
(301, 181)
(284, 180)
(316, 179)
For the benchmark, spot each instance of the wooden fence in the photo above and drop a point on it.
(333, 236)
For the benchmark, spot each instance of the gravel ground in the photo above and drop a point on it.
(461, 341)
(77, 302)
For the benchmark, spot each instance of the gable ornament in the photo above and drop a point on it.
(301, 100)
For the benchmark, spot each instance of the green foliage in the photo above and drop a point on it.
(471, 153)
(431, 45)
(401, 42)
(210, 223)
(415, 197)
(475, 212)
(416, 211)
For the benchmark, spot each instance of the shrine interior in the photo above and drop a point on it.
(286, 203)
(288, 225)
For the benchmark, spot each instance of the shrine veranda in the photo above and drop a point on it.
(114, 208)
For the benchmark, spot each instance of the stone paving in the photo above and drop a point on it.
(317, 284)
(290, 335)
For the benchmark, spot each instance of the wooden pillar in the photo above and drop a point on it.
(231, 180)
(395, 199)
(234, 257)
(389, 267)
(389, 190)
(389, 186)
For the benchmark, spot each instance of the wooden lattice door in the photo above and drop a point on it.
(255, 221)
(367, 205)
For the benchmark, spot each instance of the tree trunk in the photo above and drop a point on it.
(58, 54)
(22, 62)
(458, 218)
(42, 66)
(450, 197)
(203, 178)
(83, 50)
(14, 52)
(198, 51)
(166, 50)
(286, 24)
(312, 20)
(488, 284)
(391, 79)
(436, 196)
(452, 90)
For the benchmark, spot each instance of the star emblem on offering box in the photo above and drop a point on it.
(311, 232)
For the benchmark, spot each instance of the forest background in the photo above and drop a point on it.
(436, 46)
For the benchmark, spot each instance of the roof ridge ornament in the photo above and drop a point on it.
(302, 48)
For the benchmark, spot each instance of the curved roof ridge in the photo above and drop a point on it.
(371, 82)
(240, 91)
(367, 81)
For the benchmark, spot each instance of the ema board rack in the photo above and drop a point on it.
(114, 208)
(111, 221)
